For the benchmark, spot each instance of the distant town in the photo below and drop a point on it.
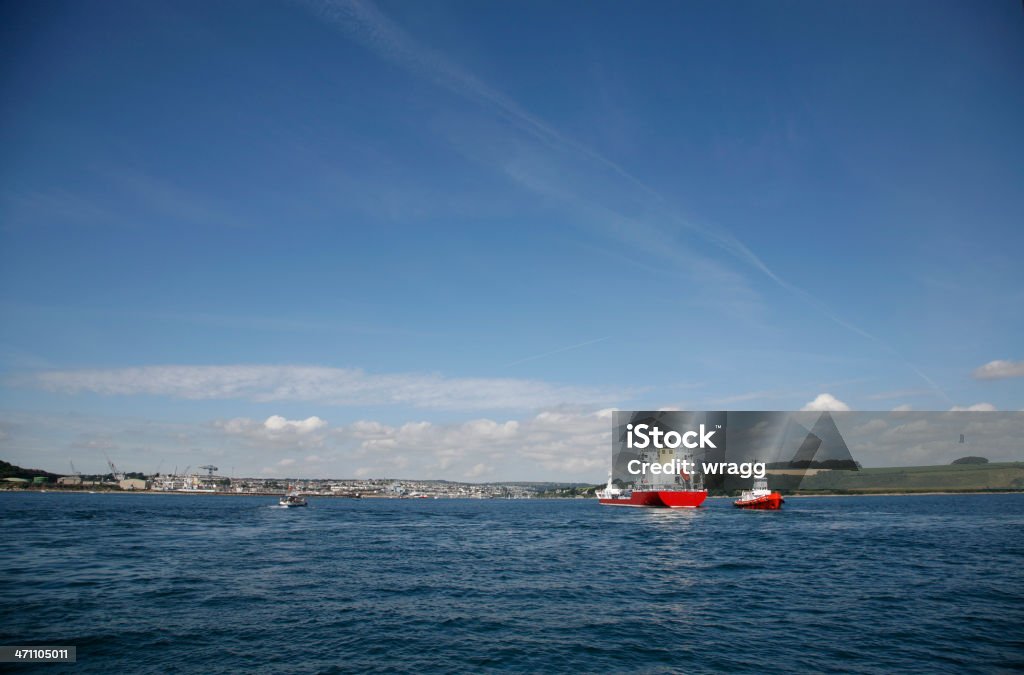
(207, 481)
(966, 474)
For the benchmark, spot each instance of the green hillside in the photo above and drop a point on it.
(953, 478)
(8, 470)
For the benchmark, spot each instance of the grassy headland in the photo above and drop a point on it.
(1001, 476)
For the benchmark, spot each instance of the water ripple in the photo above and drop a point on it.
(202, 584)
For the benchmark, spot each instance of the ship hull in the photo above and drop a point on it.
(673, 499)
(772, 502)
(683, 499)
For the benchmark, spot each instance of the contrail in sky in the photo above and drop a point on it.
(556, 351)
(366, 24)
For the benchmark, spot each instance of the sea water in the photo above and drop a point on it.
(168, 583)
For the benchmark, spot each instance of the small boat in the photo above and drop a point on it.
(293, 498)
(760, 497)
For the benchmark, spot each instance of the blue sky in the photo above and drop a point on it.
(441, 239)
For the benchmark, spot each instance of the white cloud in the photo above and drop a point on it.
(238, 425)
(558, 444)
(998, 370)
(553, 418)
(333, 386)
(826, 402)
(278, 423)
(906, 407)
(276, 431)
(917, 426)
(102, 442)
(901, 393)
(873, 426)
(563, 445)
(369, 429)
(977, 407)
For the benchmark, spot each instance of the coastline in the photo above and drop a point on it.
(186, 494)
(278, 494)
(908, 494)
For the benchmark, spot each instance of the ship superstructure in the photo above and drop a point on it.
(676, 490)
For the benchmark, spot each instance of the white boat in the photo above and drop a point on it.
(611, 491)
(293, 498)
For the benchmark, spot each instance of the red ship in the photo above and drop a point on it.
(683, 495)
(760, 498)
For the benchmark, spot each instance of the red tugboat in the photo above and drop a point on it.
(760, 497)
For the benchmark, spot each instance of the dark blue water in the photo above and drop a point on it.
(212, 584)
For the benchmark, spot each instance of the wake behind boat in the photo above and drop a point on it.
(292, 499)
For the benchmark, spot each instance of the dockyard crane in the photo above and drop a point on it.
(74, 472)
(113, 469)
(210, 468)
